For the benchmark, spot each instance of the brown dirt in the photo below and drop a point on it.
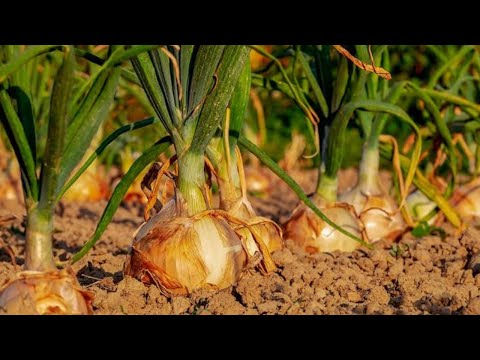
(424, 276)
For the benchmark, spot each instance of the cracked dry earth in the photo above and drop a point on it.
(423, 276)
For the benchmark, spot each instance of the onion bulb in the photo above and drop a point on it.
(419, 205)
(234, 200)
(313, 235)
(181, 253)
(378, 213)
(43, 293)
(257, 61)
(267, 230)
(467, 199)
(376, 209)
(90, 186)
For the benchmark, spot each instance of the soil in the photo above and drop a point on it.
(429, 275)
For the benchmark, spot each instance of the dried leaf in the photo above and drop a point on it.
(367, 67)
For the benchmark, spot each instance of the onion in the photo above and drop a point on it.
(377, 210)
(234, 200)
(181, 253)
(43, 293)
(467, 199)
(378, 213)
(89, 187)
(267, 230)
(313, 235)
(420, 206)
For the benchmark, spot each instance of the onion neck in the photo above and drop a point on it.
(38, 251)
(191, 181)
(327, 188)
(369, 169)
(229, 183)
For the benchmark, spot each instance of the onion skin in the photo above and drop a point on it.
(467, 199)
(378, 213)
(313, 235)
(89, 187)
(420, 206)
(376, 209)
(269, 232)
(45, 293)
(234, 200)
(181, 253)
(135, 193)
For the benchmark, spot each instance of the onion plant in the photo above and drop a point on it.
(188, 244)
(227, 160)
(76, 111)
(330, 104)
(376, 208)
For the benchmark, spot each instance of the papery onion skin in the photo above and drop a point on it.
(234, 200)
(181, 253)
(88, 187)
(378, 213)
(45, 293)
(467, 199)
(270, 233)
(313, 235)
(376, 209)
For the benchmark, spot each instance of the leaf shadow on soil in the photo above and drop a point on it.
(91, 274)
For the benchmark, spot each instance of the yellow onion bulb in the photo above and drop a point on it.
(44, 293)
(181, 253)
(419, 205)
(90, 186)
(378, 213)
(266, 230)
(467, 199)
(314, 235)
